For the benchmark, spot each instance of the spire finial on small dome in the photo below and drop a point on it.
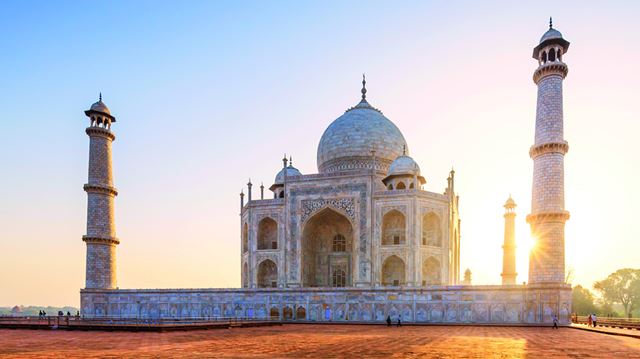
(290, 161)
(284, 160)
(404, 150)
(100, 97)
(550, 22)
(364, 88)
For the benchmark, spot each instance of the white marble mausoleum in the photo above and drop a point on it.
(360, 239)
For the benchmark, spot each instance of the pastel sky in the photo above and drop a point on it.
(208, 94)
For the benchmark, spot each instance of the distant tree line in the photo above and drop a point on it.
(619, 292)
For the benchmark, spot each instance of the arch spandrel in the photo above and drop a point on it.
(344, 206)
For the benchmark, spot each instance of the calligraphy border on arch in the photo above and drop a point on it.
(344, 205)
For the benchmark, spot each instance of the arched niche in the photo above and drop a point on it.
(267, 234)
(431, 230)
(431, 273)
(393, 271)
(267, 274)
(393, 228)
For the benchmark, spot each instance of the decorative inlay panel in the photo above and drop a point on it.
(345, 205)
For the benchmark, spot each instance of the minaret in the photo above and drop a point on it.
(467, 277)
(101, 230)
(548, 216)
(509, 247)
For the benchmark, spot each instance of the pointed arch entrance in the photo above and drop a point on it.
(327, 248)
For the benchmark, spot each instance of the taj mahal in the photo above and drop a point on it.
(360, 239)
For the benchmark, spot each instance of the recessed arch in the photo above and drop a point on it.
(401, 185)
(245, 275)
(393, 228)
(431, 230)
(552, 54)
(287, 313)
(431, 273)
(393, 271)
(274, 313)
(267, 274)
(267, 234)
(245, 237)
(319, 260)
(301, 313)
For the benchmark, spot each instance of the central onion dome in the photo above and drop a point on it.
(348, 141)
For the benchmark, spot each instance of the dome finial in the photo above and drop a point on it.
(404, 150)
(290, 161)
(550, 22)
(100, 96)
(364, 88)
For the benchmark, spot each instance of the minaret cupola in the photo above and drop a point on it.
(549, 53)
(99, 115)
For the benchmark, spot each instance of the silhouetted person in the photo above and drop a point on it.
(39, 314)
(388, 320)
(44, 314)
(399, 323)
(595, 320)
(78, 315)
(555, 322)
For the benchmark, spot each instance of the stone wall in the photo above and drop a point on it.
(516, 305)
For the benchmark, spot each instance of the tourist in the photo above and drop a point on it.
(399, 323)
(388, 320)
(555, 321)
(595, 320)
(589, 320)
(39, 314)
(78, 315)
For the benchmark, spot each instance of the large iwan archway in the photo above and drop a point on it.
(327, 250)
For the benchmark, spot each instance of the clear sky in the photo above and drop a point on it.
(208, 94)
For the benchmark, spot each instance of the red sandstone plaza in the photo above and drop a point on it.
(322, 341)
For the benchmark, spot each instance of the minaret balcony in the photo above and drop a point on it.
(549, 147)
(100, 131)
(550, 68)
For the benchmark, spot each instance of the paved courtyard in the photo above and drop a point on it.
(323, 341)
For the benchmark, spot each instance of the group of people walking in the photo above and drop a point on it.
(398, 323)
(592, 320)
(42, 314)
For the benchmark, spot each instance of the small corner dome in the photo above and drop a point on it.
(100, 107)
(551, 34)
(290, 171)
(510, 202)
(404, 165)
